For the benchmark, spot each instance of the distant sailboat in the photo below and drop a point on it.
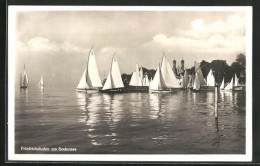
(114, 81)
(190, 82)
(236, 81)
(41, 82)
(210, 79)
(196, 84)
(222, 86)
(200, 75)
(237, 87)
(229, 87)
(146, 81)
(137, 77)
(24, 81)
(90, 80)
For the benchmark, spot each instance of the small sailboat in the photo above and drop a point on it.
(114, 82)
(168, 75)
(137, 77)
(190, 82)
(237, 87)
(158, 84)
(196, 84)
(229, 87)
(41, 82)
(210, 79)
(24, 81)
(222, 86)
(146, 81)
(90, 80)
(200, 75)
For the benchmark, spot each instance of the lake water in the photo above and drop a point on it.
(129, 123)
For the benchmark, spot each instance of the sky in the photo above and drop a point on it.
(55, 44)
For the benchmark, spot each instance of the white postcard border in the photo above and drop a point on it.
(12, 10)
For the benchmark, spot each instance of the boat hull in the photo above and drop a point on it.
(88, 90)
(136, 89)
(161, 91)
(119, 90)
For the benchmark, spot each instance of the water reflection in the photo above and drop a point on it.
(24, 96)
(155, 106)
(216, 140)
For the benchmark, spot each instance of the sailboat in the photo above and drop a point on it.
(114, 81)
(24, 81)
(90, 80)
(210, 79)
(196, 84)
(229, 87)
(236, 84)
(137, 78)
(41, 82)
(200, 75)
(158, 84)
(137, 82)
(168, 75)
(222, 86)
(146, 81)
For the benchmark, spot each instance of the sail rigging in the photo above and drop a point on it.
(200, 75)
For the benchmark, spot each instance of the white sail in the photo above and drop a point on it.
(222, 84)
(230, 85)
(156, 82)
(210, 79)
(133, 81)
(196, 85)
(114, 79)
(108, 83)
(141, 77)
(136, 79)
(200, 75)
(236, 80)
(24, 79)
(93, 78)
(116, 75)
(83, 82)
(41, 81)
(168, 75)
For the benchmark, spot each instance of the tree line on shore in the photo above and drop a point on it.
(219, 67)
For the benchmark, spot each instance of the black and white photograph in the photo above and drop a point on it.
(129, 83)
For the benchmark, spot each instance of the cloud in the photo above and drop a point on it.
(220, 37)
(44, 45)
